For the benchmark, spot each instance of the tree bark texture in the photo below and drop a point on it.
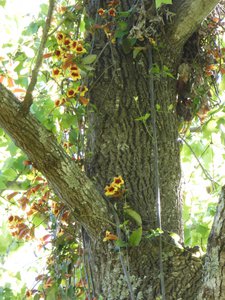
(120, 144)
(69, 183)
(189, 15)
(214, 269)
(182, 271)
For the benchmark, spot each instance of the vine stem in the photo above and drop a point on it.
(156, 169)
(122, 260)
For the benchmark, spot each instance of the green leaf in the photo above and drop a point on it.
(12, 148)
(88, 22)
(89, 59)
(127, 45)
(158, 107)
(143, 118)
(158, 3)
(124, 13)
(2, 184)
(51, 293)
(39, 219)
(166, 72)
(9, 174)
(67, 121)
(134, 215)
(154, 233)
(82, 26)
(170, 107)
(120, 34)
(44, 8)
(122, 25)
(2, 2)
(73, 136)
(5, 238)
(31, 29)
(137, 50)
(70, 292)
(121, 30)
(222, 83)
(135, 237)
(120, 243)
(203, 229)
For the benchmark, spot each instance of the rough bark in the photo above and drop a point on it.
(182, 270)
(121, 145)
(69, 183)
(214, 270)
(189, 15)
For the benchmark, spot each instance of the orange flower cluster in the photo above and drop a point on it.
(116, 188)
(67, 54)
(47, 282)
(66, 43)
(29, 203)
(111, 11)
(19, 229)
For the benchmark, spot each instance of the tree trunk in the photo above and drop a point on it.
(119, 144)
(182, 270)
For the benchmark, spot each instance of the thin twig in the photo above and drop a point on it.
(57, 27)
(200, 164)
(28, 99)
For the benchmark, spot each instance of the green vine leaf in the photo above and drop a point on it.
(154, 233)
(89, 59)
(119, 243)
(137, 50)
(159, 3)
(135, 237)
(143, 118)
(134, 215)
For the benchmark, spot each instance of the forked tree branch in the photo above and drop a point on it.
(28, 99)
(69, 183)
(188, 16)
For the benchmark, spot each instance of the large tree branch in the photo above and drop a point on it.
(214, 273)
(69, 183)
(189, 15)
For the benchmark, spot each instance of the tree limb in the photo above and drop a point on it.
(214, 270)
(28, 99)
(69, 183)
(189, 15)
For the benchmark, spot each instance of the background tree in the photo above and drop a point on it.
(148, 61)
